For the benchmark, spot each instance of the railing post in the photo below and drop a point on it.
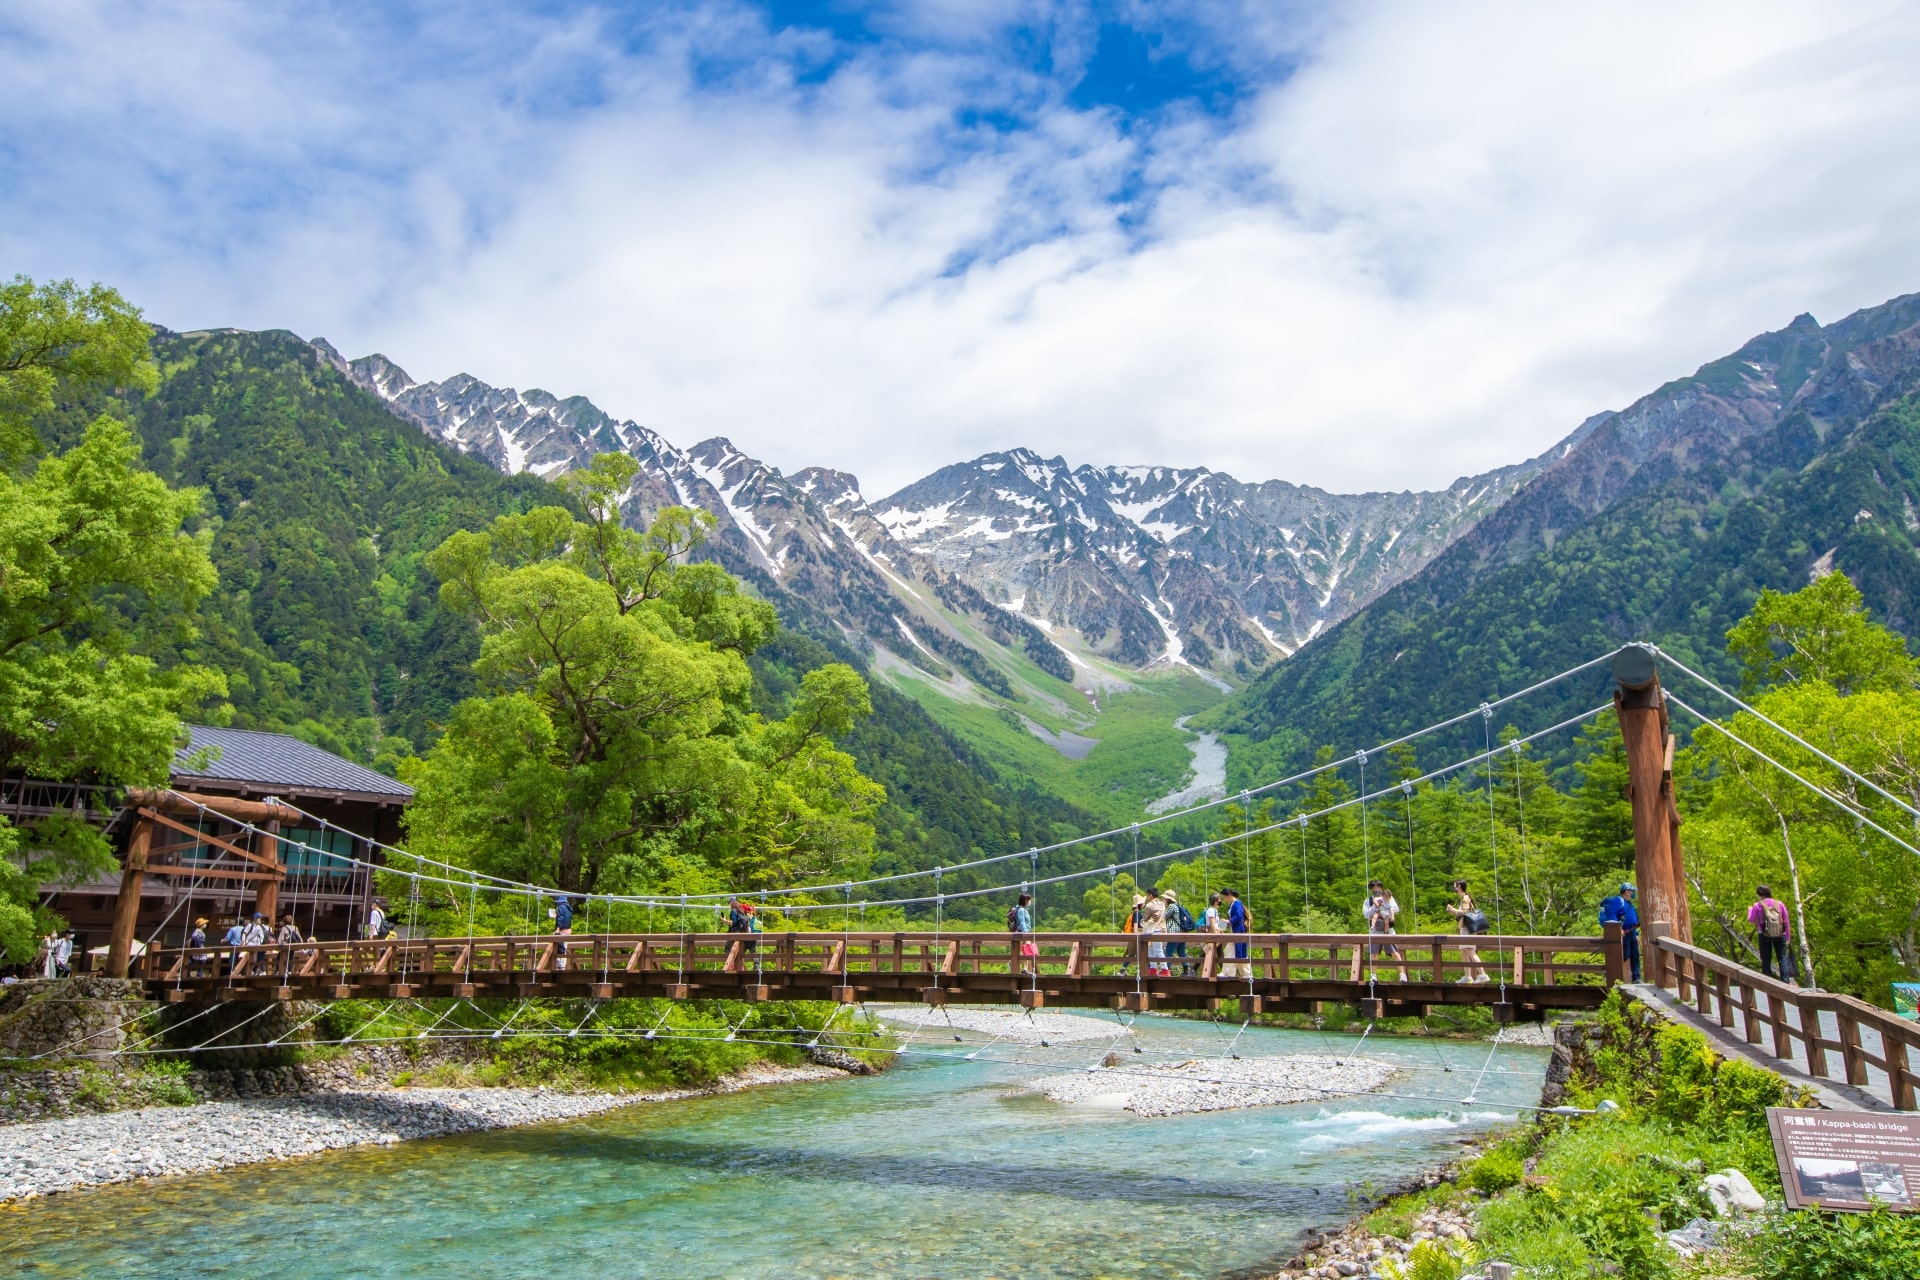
(1613, 952)
(1810, 1032)
(1852, 1059)
(1899, 1074)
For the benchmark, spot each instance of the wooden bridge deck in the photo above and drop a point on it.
(1280, 972)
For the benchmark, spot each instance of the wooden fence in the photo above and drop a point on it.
(1789, 1020)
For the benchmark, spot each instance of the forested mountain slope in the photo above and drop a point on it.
(1793, 456)
(322, 505)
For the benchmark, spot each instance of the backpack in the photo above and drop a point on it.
(1013, 919)
(1183, 917)
(1773, 920)
(753, 923)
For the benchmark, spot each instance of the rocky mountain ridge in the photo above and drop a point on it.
(1008, 562)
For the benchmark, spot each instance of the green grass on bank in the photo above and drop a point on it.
(1140, 755)
(602, 1045)
(1576, 1198)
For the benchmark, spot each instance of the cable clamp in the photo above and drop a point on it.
(1486, 711)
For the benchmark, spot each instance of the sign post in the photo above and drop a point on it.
(1848, 1160)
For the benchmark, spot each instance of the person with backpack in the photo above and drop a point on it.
(1473, 921)
(1132, 925)
(1618, 909)
(1768, 916)
(1153, 920)
(1382, 911)
(1020, 922)
(1179, 920)
(562, 913)
(740, 919)
(1239, 920)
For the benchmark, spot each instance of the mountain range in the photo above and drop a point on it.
(1042, 636)
(991, 570)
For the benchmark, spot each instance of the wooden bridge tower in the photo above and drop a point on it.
(1659, 868)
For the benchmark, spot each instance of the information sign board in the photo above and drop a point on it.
(1847, 1159)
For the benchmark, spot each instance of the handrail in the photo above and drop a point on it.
(1722, 988)
(1171, 970)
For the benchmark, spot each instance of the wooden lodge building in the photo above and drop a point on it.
(261, 849)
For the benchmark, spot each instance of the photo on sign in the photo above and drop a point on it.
(1906, 999)
(1851, 1180)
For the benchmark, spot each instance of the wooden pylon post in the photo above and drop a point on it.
(1659, 870)
(267, 899)
(126, 907)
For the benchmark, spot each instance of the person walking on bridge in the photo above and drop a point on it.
(1472, 921)
(1239, 920)
(1618, 909)
(1179, 920)
(1381, 911)
(1020, 924)
(1153, 921)
(1768, 916)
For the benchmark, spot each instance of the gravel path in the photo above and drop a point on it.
(1213, 1084)
(85, 1151)
(1015, 1026)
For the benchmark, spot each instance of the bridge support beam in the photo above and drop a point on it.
(126, 907)
(1659, 870)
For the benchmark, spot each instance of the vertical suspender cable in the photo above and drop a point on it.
(1493, 837)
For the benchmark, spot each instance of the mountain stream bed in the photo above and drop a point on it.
(947, 1166)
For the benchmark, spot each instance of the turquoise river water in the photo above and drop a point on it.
(942, 1167)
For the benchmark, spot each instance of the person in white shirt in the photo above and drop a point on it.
(1381, 911)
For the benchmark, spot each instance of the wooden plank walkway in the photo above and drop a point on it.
(1279, 972)
(1857, 1055)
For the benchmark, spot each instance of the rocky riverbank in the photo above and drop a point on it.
(48, 1156)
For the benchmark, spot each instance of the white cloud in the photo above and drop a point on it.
(1448, 237)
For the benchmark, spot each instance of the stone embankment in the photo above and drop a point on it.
(49, 1156)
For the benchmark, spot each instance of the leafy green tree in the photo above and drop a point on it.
(1820, 633)
(616, 747)
(96, 572)
(1842, 681)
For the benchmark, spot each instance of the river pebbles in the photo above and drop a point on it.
(46, 1156)
(1015, 1026)
(1214, 1084)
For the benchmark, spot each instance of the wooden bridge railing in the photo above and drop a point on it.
(1067, 968)
(1758, 1008)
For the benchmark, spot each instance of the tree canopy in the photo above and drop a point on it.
(97, 570)
(616, 747)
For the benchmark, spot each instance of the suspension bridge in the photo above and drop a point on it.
(1519, 977)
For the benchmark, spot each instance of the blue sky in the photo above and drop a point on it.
(1371, 245)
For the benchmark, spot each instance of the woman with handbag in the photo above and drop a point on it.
(1472, 921)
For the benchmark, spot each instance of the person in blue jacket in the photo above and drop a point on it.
(1618, 908)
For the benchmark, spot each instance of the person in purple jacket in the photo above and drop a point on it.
(1768, 916)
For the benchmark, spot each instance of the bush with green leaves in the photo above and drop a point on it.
(1811, 1245)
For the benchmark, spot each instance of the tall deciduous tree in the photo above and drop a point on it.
(617, 748)
(95, 567)
(1823, 669)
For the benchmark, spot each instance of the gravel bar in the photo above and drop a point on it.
(1015, 1026)
(46, 1156)
(1214, 1084)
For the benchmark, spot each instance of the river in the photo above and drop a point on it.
(942, 1167)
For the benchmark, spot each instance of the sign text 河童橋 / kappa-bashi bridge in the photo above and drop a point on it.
(1520, 977)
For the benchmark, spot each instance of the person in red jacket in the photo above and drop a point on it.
(1768, 916)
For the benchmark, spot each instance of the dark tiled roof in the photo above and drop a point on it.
(279, 760)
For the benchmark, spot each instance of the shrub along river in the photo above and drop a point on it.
(942, 1167)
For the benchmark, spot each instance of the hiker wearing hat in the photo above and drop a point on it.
(1618, 909)
(255, 934)
(1179, 920)
(198, 938)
